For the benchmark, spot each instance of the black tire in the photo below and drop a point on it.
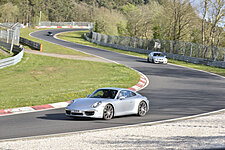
(148, 60)
(153, 61)
(142, 108)
(108, 112)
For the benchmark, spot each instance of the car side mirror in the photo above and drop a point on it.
(122, 97)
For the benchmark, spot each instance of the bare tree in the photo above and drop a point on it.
(139, 22)
(8, 12)
(205, 10)
(181, 16)
(213, 14)
(216, 15)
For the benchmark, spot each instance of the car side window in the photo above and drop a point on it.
(126, 94)
(123, 93)
(133, 94)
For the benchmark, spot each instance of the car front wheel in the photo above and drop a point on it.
(153, 61)
(142, 108)
(108, 112)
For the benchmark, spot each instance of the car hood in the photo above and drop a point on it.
(83, 103)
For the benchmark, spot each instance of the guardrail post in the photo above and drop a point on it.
(191, 50)
(12, 41)
(170, 46)
(184, 46)
(177, 47)
(198, 50)
(7, 36)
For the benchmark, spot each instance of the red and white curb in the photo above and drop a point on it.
(143, 82)
(32, 108)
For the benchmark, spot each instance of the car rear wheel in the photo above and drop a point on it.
(142, 108)
(108, 112)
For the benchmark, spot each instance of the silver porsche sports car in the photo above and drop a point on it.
(157, 57)
(108, 102)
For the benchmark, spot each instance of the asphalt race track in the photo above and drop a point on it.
(174, 92)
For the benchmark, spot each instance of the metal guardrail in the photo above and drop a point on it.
(9, 39)
(172, 47)
(47, 23)
(10, 33)
(106, 41)
(30, 43)
(14, 59)
(78, 25)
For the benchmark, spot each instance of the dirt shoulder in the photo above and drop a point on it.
(76, 57)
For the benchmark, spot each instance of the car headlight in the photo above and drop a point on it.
(71, 102)
(96, 104)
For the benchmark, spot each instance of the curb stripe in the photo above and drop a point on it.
(2, 112)
(132, 89)
(41, 107)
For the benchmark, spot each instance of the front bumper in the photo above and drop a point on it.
(91, 113)
(160, 61)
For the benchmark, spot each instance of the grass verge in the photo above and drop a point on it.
(49, 47)
(4, 53)
(77, 37)
(38, 80)
(41, 80)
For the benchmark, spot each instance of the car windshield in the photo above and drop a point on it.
(158, 54)
(104, 93)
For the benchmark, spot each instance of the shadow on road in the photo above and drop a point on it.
(115, 120)
(62, 116)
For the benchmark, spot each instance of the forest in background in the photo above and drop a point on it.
(199, 21)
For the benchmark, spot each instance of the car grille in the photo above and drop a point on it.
(89, 113)
(74, 113)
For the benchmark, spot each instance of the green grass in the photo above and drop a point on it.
(77, 37)
(49, 47)
(41, 80)
(38, 80)
(219, 71)
(3, 54)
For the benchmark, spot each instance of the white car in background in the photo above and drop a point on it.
(157, 57)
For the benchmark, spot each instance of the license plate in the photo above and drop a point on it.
(77, 111)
